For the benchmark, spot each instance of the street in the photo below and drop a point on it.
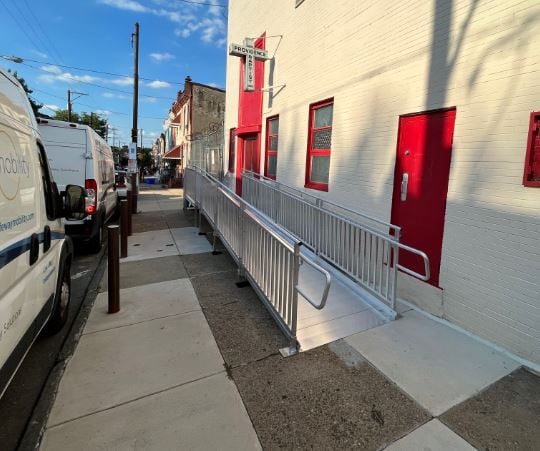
(26, 398)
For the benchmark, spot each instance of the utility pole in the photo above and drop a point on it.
(141, 130)
(70, 101)
(135, 43)
(69, 105)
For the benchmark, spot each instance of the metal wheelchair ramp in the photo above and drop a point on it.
(346, 312)
(321, 275)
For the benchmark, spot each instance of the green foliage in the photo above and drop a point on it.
(36, 106)
(62, 115)
(144, 157)
(94, 120)
(120, 155)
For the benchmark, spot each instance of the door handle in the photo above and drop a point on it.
(47, 238)
(404, 185)
(34, 248)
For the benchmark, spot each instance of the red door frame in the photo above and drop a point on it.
(432, 183)
(249, 102)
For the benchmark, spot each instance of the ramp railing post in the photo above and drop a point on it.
(113, 269)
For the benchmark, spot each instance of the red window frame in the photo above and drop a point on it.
(531, 171)
(319, 152)
(232, 149)
(268, 151)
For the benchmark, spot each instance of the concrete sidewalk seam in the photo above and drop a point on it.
(52, 426)
(209, 273)
(140, 322)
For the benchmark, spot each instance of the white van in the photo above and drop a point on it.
(79, 156)
(35, 254)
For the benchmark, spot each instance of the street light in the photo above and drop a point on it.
(13, 59)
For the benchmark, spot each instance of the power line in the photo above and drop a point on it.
(30, 27)
(83, 69)
(98, 86)
(92, 106)
(38, 22)
(20, 26)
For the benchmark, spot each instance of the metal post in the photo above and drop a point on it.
(130, 209)
(69, 105)
(124, 219)
(113, 269)
(293, 344)
(134, 193)
(135, 42)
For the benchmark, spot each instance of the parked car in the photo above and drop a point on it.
(78, 155)
(122, 183)
(35, 253)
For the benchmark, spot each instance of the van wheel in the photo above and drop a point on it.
(62, 299)
(94, 244)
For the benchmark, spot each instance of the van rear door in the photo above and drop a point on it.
(67, 153)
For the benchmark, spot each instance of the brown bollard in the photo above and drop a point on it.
(124, 214)
(134, 193)
(130, 211)
(113, 269)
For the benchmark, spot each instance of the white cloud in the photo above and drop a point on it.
(207, 20)
(51, 69)
(158, 84)
(111, 95)
(128, 5)
(54, 73)
(148, 99)
(52, 107)
(103, 112)
(123, 81)
(40, 54)
(159, 57)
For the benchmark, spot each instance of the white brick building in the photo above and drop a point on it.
(472, 69)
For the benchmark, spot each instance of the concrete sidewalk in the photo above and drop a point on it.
(150, 376)
(191, 354)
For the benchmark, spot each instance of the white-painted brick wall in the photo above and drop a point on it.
(383, 59)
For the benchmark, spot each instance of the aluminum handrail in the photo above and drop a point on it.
(256, 217)
(425, 277)
(302, 194)
(320, 305)
(367, 255)
(267, 254)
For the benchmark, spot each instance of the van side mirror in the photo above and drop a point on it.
(74, 203)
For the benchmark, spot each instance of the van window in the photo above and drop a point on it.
(47, 185)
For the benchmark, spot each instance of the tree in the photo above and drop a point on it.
(144, 158)
(36, 106)
(62, 115)
(94, 120)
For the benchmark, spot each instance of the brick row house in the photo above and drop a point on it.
(423, 114)
(197, 108)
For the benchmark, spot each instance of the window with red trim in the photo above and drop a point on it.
(319, 144)
(272, 135)
(232, 148)
(531, 174)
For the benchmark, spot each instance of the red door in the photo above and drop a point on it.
(251, 153)
(247, 158)
(424, 152)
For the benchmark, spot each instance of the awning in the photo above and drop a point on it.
(174, 154)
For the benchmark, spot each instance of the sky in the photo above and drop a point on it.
(177, 38)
